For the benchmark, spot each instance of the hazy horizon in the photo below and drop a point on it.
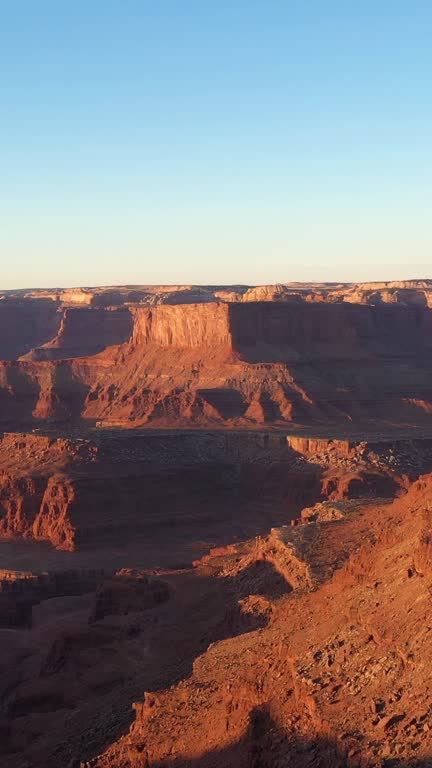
(217, 144)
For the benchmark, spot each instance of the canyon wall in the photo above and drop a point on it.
(85, 332)
(79, 493)
(187, 325)
(26, 323)
(290, 331)
(284, 332)
(157, 487)
(236, 364)
(20, 591)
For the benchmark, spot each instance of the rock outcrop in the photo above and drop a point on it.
(110, 487)
(215, 526)
(20, 591)
(331, 679)
(26, 323)
(237, 364)
(85, 332)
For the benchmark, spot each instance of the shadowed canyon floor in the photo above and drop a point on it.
(215, 526)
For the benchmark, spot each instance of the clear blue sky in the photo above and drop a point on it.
(214, 141)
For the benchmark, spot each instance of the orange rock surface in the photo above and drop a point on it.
(215, 526)
(238, 364)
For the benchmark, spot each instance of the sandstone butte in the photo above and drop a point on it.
(215, 526)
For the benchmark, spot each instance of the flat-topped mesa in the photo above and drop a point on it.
(251, 362)
(183, 325)
(286, 331)
(408, 284)
(258, 331)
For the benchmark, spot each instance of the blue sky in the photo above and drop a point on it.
(215, 142)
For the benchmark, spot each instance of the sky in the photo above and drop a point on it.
(214, 141)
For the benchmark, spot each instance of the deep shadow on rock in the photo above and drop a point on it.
(267, 745)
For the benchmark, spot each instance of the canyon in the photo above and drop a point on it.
(238, 363)
(215, 543)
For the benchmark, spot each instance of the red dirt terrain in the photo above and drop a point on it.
(215, 526)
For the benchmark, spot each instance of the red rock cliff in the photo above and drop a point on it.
(185, 325)
(234, 363)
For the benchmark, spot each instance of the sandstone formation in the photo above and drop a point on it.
(85, 332)
(330, 679)
(308, 646)
(401, 292)
(25, 323)
(77, 493)
(240, 364)
(20, 591)
(215, 526)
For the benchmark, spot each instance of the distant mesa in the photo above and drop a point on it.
(235, 356)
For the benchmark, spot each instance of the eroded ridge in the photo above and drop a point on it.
(331, 678)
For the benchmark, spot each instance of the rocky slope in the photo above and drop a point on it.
(339, 672)
(307, 646)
